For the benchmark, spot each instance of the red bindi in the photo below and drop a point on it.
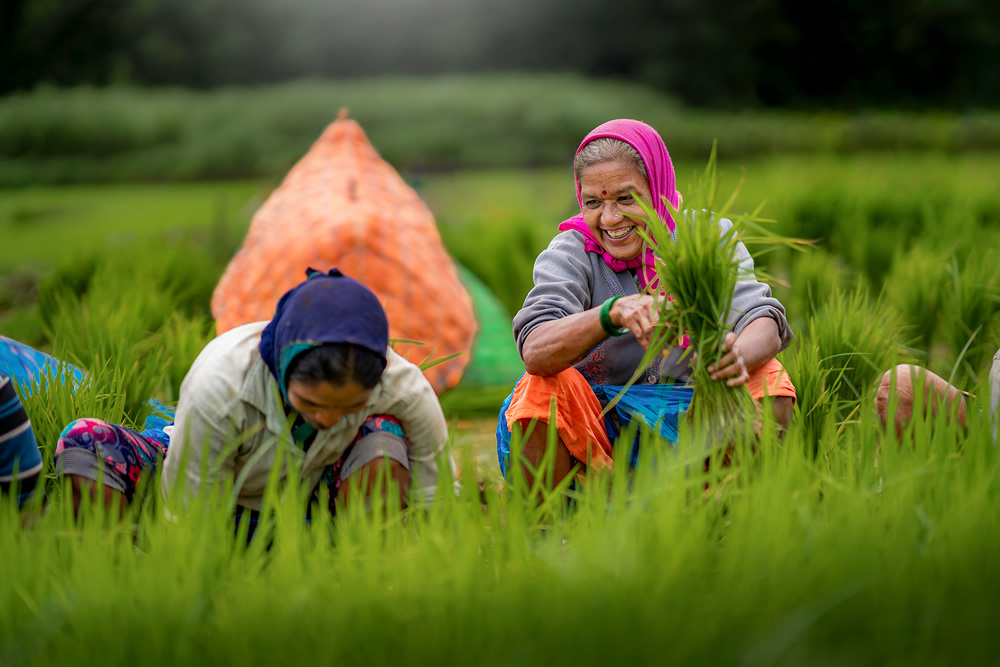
(604, 192)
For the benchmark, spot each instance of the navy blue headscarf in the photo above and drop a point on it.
(326, 308)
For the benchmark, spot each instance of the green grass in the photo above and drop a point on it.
(868, 553)
(53, 224)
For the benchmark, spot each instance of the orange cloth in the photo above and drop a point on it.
(578, 412)
(771, 380)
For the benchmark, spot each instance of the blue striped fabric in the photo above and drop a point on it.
(20, 460)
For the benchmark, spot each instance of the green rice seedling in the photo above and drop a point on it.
(817, 388)
(533, 483)
(24, 325)
(69, 279)
(175, 272)
(189, 265)
(101, 333)
(151, 318)
(18, 288)
(971, 314)
(858, 339)
(814, 214)
(916, 288)
(183, 338)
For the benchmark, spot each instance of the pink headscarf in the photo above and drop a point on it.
(660, 171)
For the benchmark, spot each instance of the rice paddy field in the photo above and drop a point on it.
(834, 545)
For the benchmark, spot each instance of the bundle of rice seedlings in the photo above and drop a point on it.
(182, 339)
(699, 272)
(859, 338)
(817, 387)
(916, 287)
(970, 314)
(100, 331)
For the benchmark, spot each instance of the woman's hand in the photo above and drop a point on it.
(637, 313)
(731, 367)
(755, 346)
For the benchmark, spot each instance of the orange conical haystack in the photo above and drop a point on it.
(343, 206)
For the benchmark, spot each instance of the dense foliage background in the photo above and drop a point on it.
(843, 53)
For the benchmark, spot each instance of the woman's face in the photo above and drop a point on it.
(605, 190)
(323, 404)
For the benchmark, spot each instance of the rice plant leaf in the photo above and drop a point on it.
(425, 364)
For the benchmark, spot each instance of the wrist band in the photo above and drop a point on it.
(605, 317)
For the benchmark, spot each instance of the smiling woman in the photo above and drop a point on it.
(584, 327)
(320, 376)
(610, 209)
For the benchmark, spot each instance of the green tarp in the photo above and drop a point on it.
(495, 360)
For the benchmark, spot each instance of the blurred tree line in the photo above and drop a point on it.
(830, 53)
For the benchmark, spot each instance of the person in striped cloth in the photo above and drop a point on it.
(20, 460)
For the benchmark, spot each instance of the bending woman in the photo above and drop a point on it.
(578, 354)
(320, 375)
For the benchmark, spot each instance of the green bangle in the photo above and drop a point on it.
(605, 316)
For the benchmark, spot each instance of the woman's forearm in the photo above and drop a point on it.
(759, 342)
(554, 346)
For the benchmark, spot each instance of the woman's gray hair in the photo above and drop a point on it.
(608, 149)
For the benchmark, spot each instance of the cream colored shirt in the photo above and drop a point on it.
(230, 414)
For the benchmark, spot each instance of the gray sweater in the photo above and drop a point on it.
(570, 280)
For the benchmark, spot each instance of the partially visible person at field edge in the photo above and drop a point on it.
(936, 391)
(586, 322)
(319, 375)
(20, 459)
